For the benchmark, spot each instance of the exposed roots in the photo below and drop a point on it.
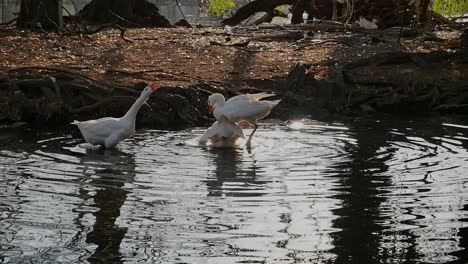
(57, 96)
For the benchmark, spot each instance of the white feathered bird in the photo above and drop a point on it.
(109, 131)
(242, 108)
(223, 133)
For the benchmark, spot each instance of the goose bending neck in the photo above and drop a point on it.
(133, 111)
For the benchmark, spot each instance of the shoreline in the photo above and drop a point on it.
(329, 71)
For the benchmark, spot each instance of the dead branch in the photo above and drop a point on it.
(105, 26)
(287, 36)
(325, 41)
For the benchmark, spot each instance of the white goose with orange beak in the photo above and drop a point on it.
(242, 108)
(109, 131)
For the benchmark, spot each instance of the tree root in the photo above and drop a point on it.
(46, 92)
(401, 81)
(41, 95)
(107, 26)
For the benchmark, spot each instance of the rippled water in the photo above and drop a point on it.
(364, 192)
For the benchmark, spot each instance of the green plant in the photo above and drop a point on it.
(219, 7)
(450, 7)
(282, 8)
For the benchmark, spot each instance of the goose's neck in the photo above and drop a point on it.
(133, 111)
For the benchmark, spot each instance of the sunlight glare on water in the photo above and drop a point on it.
(307, 191)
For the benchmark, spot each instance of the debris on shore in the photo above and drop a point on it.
(318, 69)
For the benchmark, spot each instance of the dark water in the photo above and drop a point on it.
(363, 192)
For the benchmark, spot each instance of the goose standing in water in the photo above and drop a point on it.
(242, 108)
(109, 131)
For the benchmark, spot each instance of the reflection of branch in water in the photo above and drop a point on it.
(462, 254)
(361, 221)
(360, 218)
(114, 168)
(228, 162)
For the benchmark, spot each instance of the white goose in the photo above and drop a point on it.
(246, 107)
(223, 133)
(109, 131)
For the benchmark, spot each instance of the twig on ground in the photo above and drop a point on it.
(337, 41)
(106, 26)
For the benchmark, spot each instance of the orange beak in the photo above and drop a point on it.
(210, 109)
(155, 86)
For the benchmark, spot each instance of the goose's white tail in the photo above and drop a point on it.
(274, 103)
(75, 122)
(250, 97)
(260, 96)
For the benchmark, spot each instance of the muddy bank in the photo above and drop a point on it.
(317, 70)
(389, 82)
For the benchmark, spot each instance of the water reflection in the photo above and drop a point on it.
(234, 174)
(426, 163)
(462, 252)
(362, 195)
(115, 169)
(392, 208)
(37, 192)
(367, 192)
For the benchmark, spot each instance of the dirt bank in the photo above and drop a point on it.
(344, 70)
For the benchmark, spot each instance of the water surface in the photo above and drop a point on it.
(367, 191)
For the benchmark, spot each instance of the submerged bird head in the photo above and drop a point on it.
(214, 99)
